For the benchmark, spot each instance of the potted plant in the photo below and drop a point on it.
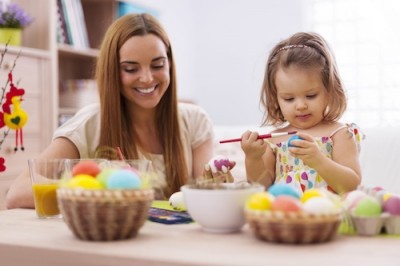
(13, 19)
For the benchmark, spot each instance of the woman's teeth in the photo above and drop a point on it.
(146, 90)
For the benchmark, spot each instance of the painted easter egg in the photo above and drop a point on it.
(292, 138)
(368, 207)
(311, 193)
(286, 204)
(103, 176)
(86, 167)
(352, 198)
(84, 181)
(283, 189)
(176, 201)
(123, 179)
(260, 201)
(392, 205)
(320, 205)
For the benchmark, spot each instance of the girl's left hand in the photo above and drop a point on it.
(307, 150)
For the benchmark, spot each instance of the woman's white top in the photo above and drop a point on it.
(83, 129)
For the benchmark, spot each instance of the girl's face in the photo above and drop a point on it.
(302, 96)
(144, 69)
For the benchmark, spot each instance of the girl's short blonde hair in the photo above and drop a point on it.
(306, 50)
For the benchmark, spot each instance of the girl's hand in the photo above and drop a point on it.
(253, 147)
(306, 150)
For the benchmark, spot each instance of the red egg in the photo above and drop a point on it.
(286, 204)
(392, 205)
(86, 167)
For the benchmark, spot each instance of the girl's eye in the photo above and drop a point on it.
(288, 99)
(311, 96)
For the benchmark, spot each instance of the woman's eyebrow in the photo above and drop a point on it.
(128, 62)
(158, 58)
(134, 62)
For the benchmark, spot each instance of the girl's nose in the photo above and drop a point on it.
(300, 105)
(146, 76)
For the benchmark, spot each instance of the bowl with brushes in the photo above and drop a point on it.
(105, 201)
(215, 201)
(218, 207)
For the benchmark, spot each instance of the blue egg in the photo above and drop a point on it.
(294, 137)
(123, 179)
(283, 189)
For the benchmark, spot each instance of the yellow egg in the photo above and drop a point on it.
(310, 193)
(260, 201)
(84, 181)
(386, 196)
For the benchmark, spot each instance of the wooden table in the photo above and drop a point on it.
(27, 240)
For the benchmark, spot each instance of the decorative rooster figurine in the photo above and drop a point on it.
(17, 118)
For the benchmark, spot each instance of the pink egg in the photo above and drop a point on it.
(352, 198)
(86, 167)
(392, 205)
(286, 204)
(378, 188)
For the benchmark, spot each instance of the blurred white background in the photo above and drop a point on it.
(221, 47)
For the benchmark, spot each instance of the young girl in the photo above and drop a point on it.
(303, 92)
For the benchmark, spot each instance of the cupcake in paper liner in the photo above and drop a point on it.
(368, 226)
(392, 206)
(367, 217)
(392, 225)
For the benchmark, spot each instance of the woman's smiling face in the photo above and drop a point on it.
(144, 70)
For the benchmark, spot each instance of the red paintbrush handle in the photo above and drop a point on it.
(263, 136)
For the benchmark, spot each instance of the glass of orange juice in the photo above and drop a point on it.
(46, 175)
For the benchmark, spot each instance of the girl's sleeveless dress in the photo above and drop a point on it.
(293, 171)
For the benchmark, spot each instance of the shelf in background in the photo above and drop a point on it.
(69, 50)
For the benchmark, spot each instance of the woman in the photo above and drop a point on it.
(138, 112)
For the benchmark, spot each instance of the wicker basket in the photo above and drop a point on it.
(104, 215)
(293, 227)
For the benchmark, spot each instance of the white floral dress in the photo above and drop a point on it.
(293, 171)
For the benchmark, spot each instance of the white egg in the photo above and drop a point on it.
(320, 205)
(176, 201)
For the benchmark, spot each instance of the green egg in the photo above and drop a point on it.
(368, 207)
(102, 177)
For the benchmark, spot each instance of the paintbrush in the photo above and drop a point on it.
(119, 153)
(263, 136)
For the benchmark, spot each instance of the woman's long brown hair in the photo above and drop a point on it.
(116, 123)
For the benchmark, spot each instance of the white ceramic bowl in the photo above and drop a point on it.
(218, 210)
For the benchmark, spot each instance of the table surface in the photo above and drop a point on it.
(27, 240)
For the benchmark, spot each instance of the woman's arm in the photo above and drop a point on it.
(20, 193)
(201, 155)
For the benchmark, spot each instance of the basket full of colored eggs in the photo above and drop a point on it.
(283, 215)
(105, 200)
(372, 211)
